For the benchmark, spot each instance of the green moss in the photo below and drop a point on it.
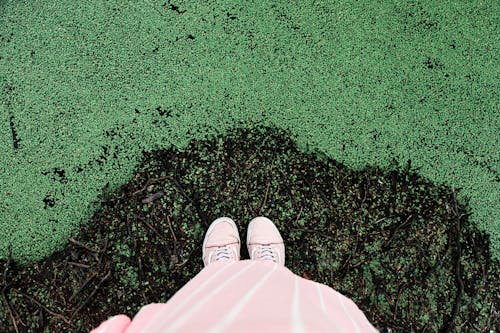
(366, 83)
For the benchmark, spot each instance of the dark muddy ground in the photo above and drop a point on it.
(401, 247)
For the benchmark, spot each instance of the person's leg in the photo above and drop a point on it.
(260, 294)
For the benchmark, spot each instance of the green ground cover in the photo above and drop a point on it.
(401, 247)
(87, 86)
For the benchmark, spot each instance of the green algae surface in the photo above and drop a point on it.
(86, 87)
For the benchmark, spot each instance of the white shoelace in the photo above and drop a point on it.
(221, 254)
(265, 252)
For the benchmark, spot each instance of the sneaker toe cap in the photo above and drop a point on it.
(222, 234)
(264, 232)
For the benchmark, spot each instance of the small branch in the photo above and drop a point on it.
(184, 194)
(397, 301)
(102, 251)
(265, 197)
(181, 189)
(365, 189)
(170, 227)
(153, 229)
(351, 253)
(66, 320)
(91, 294)
(386, 245)
(323, 195)
(177, 266)
(82, 245)
(10, 312)
(149, 182)
(78, 264)
(141, 274)
(153, 197)
(450, 324)
(298, 216)
(82, 287)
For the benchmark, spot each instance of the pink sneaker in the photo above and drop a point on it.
(222, 242)
(264, 241)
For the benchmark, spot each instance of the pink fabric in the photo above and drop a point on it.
(246, 296)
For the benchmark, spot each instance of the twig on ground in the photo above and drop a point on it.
(101, 251)
(154, 230)
(82, 286)
(450, 323)
(295, 223)
(40, 318)
(386, 245)
(72, 240)
(351, 253)
(78, 264)
(63, 318)
(144, 297)
(153, 197)
(192, 201)
(91, 294)
(10, 312)
(397, 301)
(177, 266)
(323, 195)
(141, 276)
(149, 182)
(171, 228)
(181, 189)
(265, 197)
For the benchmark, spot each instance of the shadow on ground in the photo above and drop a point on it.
(400, 247)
